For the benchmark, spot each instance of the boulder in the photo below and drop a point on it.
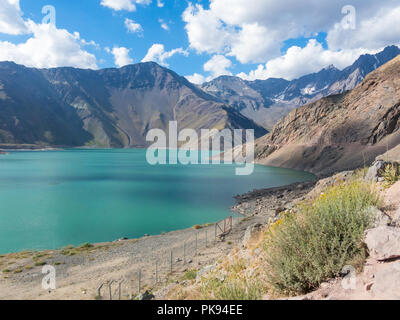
(396, 219)
(203, 272)
(380, 218)
(146, 296)
(373, 173)
(251, 231)
(383, 243)
(387, 282)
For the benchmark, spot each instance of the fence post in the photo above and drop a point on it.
(119, 289)
(110, 289)
(131, 286)
(216, 225)
(206, 240)
(139, 281)
(156, 271)
(184, 253)
(99, 291)
(171, 261)
(196, 244)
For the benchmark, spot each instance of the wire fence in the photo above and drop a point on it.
(136, 284)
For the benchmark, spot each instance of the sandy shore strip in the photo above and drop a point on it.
(80, 271)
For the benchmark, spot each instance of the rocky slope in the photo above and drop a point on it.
(267, 101)
(107, 108)
(340, 132)
(378, 277)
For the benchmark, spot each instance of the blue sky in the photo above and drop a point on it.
(106, 27)
(254, 39)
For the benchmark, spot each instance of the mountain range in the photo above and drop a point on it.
(267, 101)
(340, 132)
(117, 107)
(104, 108)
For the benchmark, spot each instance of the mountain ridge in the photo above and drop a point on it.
(267, 101)
(340, 132)
(104, 108)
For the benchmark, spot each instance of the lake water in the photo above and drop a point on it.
(52, 199)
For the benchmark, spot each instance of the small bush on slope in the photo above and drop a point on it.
(390, 174)
(309, 247)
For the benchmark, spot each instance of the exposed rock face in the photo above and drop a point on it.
(108, 108)
(250, 233)
(381, 219)
(146, 296)
(340, 132)
(396, 219)
(387, 282)
(267, 101)
(375, 171)
(383, 243)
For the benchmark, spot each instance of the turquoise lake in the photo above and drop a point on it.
(52, 199)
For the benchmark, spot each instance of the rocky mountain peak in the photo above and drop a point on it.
(267, 101)
(105, 108)
(340, 132)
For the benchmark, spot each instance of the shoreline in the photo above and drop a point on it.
(81, 270)
(239, 208)
(89, 266)
(283, 193)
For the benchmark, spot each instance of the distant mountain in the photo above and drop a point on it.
(339, 132)
(267, 101)
(104, 108)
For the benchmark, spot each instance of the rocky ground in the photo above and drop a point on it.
(378, 279)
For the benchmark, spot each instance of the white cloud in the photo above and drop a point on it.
(160, 3)
(218, 65)
(300, 61)
(255, 30)
(48, 47)
(163, 24)
(132, 26)
(253, 44)
(196, 78)
(11, 21)
(119, 5)
(121, 56)
(374, 32)
(158, 54)
(205, 30)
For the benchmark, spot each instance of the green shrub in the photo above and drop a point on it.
(190, 275)
(85, 246)
(309, 247)
(237, 290)
(390, 174)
